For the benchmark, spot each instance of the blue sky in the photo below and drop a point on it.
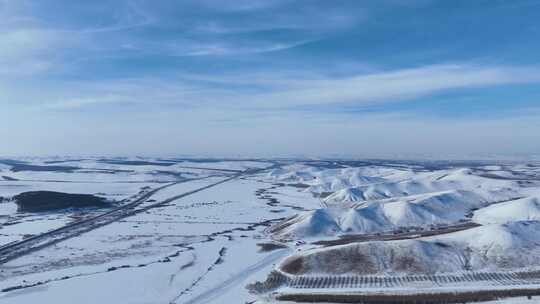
(270, 78)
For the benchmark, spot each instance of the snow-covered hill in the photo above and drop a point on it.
(492, 247)
(400, 199)
(517, 210)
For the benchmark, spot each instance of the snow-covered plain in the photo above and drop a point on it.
(319, 218)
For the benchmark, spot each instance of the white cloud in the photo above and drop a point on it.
(81, 102)
(20, 42)
(24, 51)
(33, 43)
(240, 5)
(397, 84)
(277, 90)
(31, 46)
(222, 49)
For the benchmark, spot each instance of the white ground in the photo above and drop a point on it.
(204, 221)
(202, 248)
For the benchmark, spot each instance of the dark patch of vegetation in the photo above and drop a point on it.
(325, 164)
(198, 160)
(40, 201)
(135, 162)
(280, 226)
(222, 253)
(405, 234)
(11, 162)
(12, 288)
(213, 160)
(293, 265)
(342, 260)
(17, 166)
(528, 275)
(299, 185)
(441, 244)
(272, 202)
(274, 280)
(25, 167)
(64, 161)
(187, 265)
(11, 223)
(420, 298)
(407, 264)
(177, 175)
(265, 247)
(325, 194)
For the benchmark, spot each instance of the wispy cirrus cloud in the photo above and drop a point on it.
(32, 45)
(396, 85)
(26, 51)
(281, 90)
(227, 49)
(35, 43)
(251, 71)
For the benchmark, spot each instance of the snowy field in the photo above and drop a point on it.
(231, 231)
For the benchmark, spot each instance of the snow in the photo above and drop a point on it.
(372, 258)
(316, 223)
(347, 195)
(199, 225)
(516, 210)
(202, 248)
(485, 248)
(426, 210)
(397, 200)
(367, 219)
(514, 236)
(516, 300)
